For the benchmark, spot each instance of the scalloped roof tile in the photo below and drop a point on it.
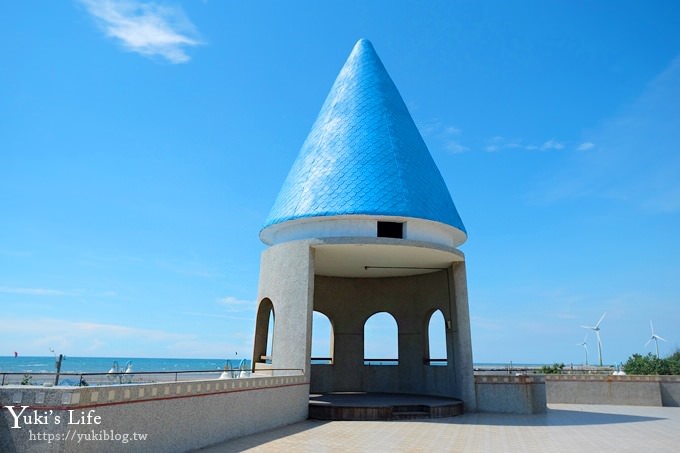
(364, 155)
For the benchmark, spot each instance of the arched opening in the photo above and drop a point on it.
(270, 337)
(322, 339)
(264, 332)
(381, 340)
(435, 353)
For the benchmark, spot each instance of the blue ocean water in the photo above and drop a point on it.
(28, 364)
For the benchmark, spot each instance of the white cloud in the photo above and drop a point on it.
(146, 28)
(119, 331)
(487, 324)
(49, 292)
(455, 147)
(666, 200)
(37, 336)
(189, 269)
(444, 135)
(230, 308)
(636, 160)
(74, 338)
(35, 291)
(500, 143)
(233, 304)
(16, 253)
(494, 144)
(448, 137)
(205, 315)
(552, 144)
(585, 146)
(67, 329)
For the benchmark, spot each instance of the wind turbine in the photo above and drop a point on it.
(585, 346)
(596, 329)
(656, 339)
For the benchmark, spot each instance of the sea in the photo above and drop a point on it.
(47, 364)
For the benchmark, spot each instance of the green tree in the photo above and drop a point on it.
(674, 362)
(651, 364)
(555, 368)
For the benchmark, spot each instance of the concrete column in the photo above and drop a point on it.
(287, 279)
(410, 362)
(349, 361)
(462, 341)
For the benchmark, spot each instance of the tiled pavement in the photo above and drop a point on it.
(564, 428)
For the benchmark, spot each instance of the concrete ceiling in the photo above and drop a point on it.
(380, 260)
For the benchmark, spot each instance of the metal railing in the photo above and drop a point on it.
(491, 370)
(322, 360)
(538, 370)
(137, 377)
(329, 361)
(371, 362)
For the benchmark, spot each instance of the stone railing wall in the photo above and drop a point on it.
(625, 390)
(511, 394)
(178, 416)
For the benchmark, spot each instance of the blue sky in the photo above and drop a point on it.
(142, 146)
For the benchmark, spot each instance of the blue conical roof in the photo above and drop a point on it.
(364, 155)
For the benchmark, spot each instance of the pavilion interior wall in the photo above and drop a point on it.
(411, 300)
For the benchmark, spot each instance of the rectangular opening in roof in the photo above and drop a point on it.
(391, 230)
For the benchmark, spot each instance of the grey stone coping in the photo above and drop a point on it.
(522, 379)
(612, 378)
(68, 397)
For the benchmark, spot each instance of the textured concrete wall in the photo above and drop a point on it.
(511, 394)
(349, 302)
(461, 336)
(287, 280)
(382, 379)
(359, 226)
(624, 390)
(175, 416)
(670, 392)
(529, 394)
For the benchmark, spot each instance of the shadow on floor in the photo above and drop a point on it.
(553, 417)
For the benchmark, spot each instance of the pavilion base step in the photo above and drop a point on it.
(410, 415)
(367, 406)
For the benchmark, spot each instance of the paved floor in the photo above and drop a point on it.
(564, 428)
